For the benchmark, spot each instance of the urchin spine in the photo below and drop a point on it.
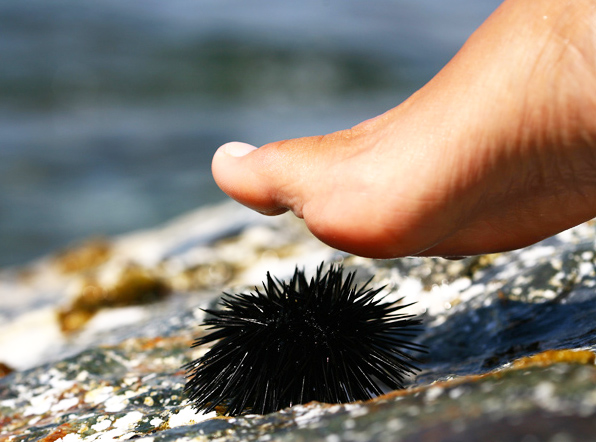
(325, 340)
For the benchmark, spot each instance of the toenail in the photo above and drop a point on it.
(237, 149)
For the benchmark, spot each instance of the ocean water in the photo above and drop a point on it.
(110, 110)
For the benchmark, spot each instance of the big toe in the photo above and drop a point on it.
(268, 179)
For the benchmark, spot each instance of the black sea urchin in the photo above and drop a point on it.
(325, 340)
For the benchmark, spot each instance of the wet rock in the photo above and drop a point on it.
(510, 336)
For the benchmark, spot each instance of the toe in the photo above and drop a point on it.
(237, 172)
(270, 179)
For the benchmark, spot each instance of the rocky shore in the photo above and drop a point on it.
(93, 338)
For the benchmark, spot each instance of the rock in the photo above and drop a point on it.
(93, 338)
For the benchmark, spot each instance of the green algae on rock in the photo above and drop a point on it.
(135, 286)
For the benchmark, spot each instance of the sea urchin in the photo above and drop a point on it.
(325, 340)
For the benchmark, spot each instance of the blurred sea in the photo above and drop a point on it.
(110, 110)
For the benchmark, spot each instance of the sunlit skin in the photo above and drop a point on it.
(496, 152)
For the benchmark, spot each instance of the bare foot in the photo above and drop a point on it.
(498, 151)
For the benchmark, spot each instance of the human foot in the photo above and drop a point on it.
(498, 151)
